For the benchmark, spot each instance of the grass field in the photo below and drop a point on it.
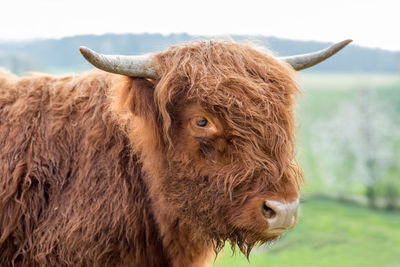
(330, 233)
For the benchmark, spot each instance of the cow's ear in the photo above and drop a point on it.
(140, 97)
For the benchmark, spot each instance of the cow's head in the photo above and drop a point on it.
(214, 124)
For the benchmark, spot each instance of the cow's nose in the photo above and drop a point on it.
(280, 215)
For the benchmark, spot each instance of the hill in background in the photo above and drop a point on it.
(62, 55)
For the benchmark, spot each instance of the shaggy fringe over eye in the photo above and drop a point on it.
(251, 91)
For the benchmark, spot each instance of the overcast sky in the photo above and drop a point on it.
(368, 23)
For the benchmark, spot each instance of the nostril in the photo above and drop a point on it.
(280, 214)
(268, 212)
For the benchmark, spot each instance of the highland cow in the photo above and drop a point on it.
(160, 166)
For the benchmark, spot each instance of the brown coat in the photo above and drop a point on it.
(105, 170)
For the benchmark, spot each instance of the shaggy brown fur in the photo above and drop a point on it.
(105, 170)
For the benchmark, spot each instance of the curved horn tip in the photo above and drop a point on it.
(339, 46)
(82, 49)
(345, 42)
(85, 51)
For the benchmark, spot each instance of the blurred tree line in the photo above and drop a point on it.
(18, 62)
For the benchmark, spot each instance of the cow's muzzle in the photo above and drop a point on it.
(280, 216)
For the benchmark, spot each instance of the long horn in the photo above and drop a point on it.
(304, 61)
(133, 66)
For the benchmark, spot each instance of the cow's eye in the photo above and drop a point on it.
(201, 122)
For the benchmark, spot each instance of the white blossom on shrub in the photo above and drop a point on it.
(356, 144)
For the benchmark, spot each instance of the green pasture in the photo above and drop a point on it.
(329, 233)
